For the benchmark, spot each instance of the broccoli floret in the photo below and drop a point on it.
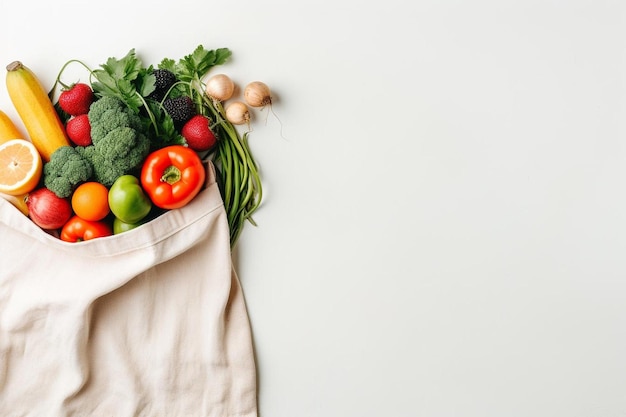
(66, 169)
(118, 153)
(111, 119)
(119, 144)
(103, 104)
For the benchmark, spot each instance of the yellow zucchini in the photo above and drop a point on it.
(36, 110)
(8, 130)
(19, 201)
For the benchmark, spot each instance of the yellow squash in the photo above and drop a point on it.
(19, 201)
(8, 130)
(36, 110)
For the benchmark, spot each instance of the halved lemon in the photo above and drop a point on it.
(20, 167)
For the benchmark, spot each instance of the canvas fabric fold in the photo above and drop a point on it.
(150, 322)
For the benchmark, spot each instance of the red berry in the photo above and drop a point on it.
(76, 99)
(197, 132)
(78, 129)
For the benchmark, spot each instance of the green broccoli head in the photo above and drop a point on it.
(109, 113)
(111, 119)
(66, 169)
(119, 144)
(103, 104)
(119, 152)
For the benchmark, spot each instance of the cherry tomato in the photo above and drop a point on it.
(78, 230)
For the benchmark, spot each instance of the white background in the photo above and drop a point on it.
(443, 229)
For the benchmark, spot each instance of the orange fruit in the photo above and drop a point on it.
(90, 201)
(20, 167)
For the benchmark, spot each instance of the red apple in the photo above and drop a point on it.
(47, 210)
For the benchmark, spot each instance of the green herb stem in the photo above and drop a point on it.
(58, 81)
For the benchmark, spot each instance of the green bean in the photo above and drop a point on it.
(238, 170)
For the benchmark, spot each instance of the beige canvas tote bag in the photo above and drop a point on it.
(150, 322)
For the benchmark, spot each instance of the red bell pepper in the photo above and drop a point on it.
(78, 230)
(172, 176)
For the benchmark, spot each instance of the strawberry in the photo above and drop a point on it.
(76, 99)
(78, 129)
(198, 133)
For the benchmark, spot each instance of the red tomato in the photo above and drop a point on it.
(78, 230)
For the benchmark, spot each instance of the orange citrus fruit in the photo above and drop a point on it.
(20, 167)
(90, 201)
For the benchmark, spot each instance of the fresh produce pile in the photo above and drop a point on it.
(106, 155)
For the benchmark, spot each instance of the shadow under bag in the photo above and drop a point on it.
(150, 322)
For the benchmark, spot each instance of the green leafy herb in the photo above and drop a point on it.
(125, 79)
(197, 64)
(166, 134)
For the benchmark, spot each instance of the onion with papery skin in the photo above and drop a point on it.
(257, 94)
(237, 113)
(220, 87)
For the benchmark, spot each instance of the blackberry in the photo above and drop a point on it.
(180, 108)
(164, 80)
